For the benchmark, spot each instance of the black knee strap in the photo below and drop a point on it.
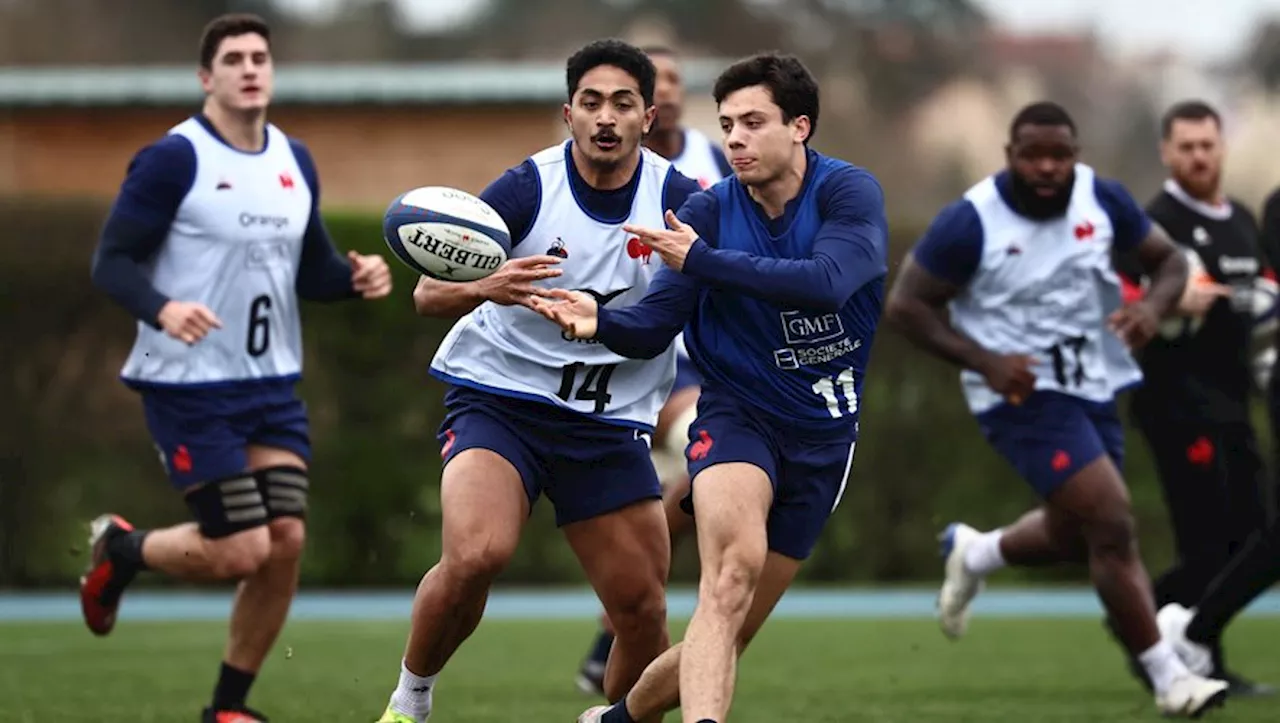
(285, 489)
(227, 506)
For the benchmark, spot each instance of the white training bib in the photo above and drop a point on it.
(513, 351)
(1046, 288)
(234, 246)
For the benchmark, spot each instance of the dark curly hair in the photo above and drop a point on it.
(617, 53)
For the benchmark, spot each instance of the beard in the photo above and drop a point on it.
(1033, 205)
(1200, 187)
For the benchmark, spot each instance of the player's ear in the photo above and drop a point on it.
(801, 128)
(206, 79)
(650, 115)
(568, 116)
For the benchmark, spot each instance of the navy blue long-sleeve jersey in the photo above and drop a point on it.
(782, 311)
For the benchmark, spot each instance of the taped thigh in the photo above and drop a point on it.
(227, 506)
(285, 490)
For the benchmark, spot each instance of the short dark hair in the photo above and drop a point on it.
(619, 54)
(1192, 110)
(229, 26)
(1041, 113)
(789, 82)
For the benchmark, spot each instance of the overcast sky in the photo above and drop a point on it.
(1127, 25)
(1185, 25)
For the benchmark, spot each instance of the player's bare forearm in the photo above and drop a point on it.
(446, 299)
(916, 305)
(1167, 269)
(928, 328)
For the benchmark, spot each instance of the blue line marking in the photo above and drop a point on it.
(577, 604)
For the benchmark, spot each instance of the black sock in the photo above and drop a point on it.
(232, 689)
(618, 714)
(125, 550)
(1253, 569)
(600, 651)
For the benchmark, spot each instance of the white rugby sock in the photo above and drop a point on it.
(1162, 664)
(412, 696)
(983, 555)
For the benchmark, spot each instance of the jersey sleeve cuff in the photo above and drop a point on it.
(605, 327)
(154, 302)
(696, 260)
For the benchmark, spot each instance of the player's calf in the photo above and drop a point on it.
(638, 614)
(484, 507)
(229, 541)
(1119, 575)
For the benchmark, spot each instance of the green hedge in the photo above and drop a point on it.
(75, 443)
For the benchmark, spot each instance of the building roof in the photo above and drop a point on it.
(313, 84)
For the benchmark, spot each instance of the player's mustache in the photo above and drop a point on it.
(607, 137)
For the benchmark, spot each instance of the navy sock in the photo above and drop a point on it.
(600, 652)
(232, 689)
(618, 714)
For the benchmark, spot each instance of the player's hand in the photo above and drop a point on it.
(1200, 295)
(187, 321)
(671, 244)
(370, 275)
(1009, 375)
(1135, 324)
(574, 311)
(513, 283)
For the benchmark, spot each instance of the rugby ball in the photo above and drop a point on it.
(446, 234)
(1177, 326)
(1264, 306)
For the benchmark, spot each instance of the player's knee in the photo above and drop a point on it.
(288, 538)
(477, 559)
(730, 588)
(1112, 534)
(639, 609)
(240, 555)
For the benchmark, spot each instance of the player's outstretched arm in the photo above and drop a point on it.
(510, 285)
(516, 196)
(640, 331)
(849, 251)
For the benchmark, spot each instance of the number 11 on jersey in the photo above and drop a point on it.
(832, 389)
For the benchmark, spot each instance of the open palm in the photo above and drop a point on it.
(574, 311)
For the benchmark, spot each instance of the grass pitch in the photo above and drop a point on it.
(797, 670)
